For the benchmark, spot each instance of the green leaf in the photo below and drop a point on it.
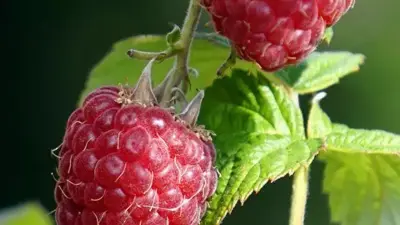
(362, 174)
(174, 35)
(321, 70)
(116, 67)
(328, 35)
(341, 138)
(30, 213)
(363, 189)
(248, 102)
(347, 140)
(319, 124)
(260, 137)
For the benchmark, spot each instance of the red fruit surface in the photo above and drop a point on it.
(275, 33)
(131, 165)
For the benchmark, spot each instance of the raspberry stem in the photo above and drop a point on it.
(300, 185)
(134, 53)
(229, 63)
(180, 69)
(299, 196)
(179, 74)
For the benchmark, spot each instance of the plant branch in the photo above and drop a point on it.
(229, 62)
(300, 184)
(180, 69)
(299, 196)
(190, 25)
(133, 53)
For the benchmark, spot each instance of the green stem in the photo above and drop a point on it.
(229, 63)
(299, 196)
(190, 25)
(133, 53)
(180, 68)
(300, 185)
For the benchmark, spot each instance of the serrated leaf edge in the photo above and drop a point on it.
(332, 80)
(236, 198)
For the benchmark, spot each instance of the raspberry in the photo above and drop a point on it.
(125, 160)
(275, 33)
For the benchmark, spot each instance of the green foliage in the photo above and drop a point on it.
(29, 213)
(363, 189)
(173, 36)
(116, 67)
(320, 70)
(260, 137)
(260, 133)
(344, 139)
(319, 124)
(362, 174)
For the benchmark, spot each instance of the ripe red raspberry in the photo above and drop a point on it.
(127, 161)
(275, 33)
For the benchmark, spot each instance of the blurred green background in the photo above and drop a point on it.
(52, 45)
